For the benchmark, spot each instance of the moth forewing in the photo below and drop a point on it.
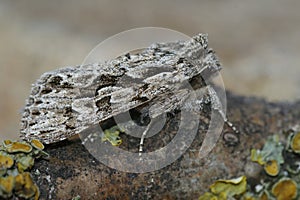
(66, 101)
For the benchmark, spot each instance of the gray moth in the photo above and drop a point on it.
(67, 101)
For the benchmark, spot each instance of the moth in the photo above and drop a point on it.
(67, 101)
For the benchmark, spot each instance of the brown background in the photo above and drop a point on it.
(257, 41)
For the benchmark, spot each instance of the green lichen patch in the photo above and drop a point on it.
(281, 181)
(112, 135)
(226, 189)
(270, 156)
(25, 163)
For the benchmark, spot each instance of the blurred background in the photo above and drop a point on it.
(257, 41)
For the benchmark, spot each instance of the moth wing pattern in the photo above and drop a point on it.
(66, 101)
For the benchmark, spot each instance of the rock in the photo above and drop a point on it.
(72, 171)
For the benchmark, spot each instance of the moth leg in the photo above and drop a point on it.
(143, 138)
(154, 126)
(196, 104)
(217, 105)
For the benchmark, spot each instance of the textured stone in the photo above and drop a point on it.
(72, 171)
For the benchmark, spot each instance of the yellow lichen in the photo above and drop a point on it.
(6, 186)
(226, 189)
(208, 196)
(256, 156)
(37, 193)
(24, 185)
(230, 188)
(6, 162)
(248, 196)
(285, 189)
(15, 158)
(264, 196)
(7, 142)
(270, 156)
(295, 143)
(272, 167)
(18, 147)
(37, 144)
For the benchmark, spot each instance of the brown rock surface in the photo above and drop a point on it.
(72, 171)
